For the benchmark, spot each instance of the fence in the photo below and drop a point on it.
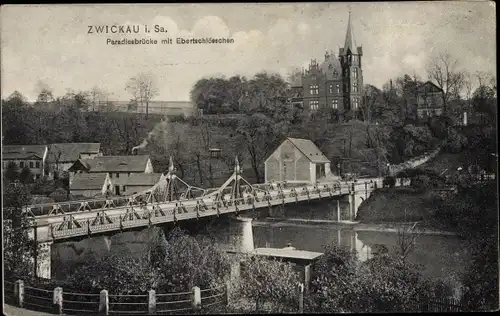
(56, 301)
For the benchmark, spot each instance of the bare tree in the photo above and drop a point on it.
(45, 95)
(468, 88)
(97, 96)
(143, 88)
(407, 240)
(443, 71)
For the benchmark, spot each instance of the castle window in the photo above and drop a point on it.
(355, 103)
(354, 87)
(314, 89)
(313, 77)
(338, 89)
(355, 73)
(335, 104)
(314, 105)
(331, 88)
(355, 58)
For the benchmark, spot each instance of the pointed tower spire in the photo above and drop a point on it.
(349, 38)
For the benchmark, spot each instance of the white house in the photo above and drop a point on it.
(31, 156)
(297, 160)
(120, 169)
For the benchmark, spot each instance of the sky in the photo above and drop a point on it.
(49, 45)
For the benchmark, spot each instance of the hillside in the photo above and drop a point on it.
(395, 205)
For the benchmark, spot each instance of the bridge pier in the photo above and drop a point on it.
(241, 234)
(43, 260)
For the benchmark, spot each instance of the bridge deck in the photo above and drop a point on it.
(88, 222)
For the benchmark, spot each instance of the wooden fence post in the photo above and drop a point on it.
(152, 302)
(301, 298)
(58, 300)
(19, 292)
(196, 303)
(226, 295)
(103, 303)
(338, 210)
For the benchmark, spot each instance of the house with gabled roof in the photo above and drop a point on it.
(429, 100)
(297, 160)
(62, 156)
(121, 170)
(90, 185)
(31, 156)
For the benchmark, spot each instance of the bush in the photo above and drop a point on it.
(189, 262)
(389, 182)
(381, 284)
(60, 195)
(271, 284)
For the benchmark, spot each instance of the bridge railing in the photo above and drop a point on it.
(57, 301)
(168, 212)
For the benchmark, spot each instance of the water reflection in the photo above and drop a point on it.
(440, 256)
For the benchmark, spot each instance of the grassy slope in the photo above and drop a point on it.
(394, 205)
(389, 205)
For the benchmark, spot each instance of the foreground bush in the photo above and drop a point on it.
(272, 285)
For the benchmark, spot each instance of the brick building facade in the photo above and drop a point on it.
(335, 83)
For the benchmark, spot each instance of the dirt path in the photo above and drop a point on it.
(10, 310)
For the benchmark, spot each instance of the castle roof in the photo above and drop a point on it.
(331, 67)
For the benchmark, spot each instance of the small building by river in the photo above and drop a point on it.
(297, 161)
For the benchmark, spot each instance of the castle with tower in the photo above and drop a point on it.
(335, 83)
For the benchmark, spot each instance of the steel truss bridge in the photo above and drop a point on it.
(173, 200)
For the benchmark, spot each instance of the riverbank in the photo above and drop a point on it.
(388, 227)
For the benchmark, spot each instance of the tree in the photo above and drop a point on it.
(97, 96)
(17, 98)
(190, 261)
(45, 97)
(442, 70)
(12, 171)
(143, 88)
(26, 176)
(332, 286)
(372, 100)
(269, 281)
(18, 247)
(485, 103)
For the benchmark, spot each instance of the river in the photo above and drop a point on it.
(440, 256)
